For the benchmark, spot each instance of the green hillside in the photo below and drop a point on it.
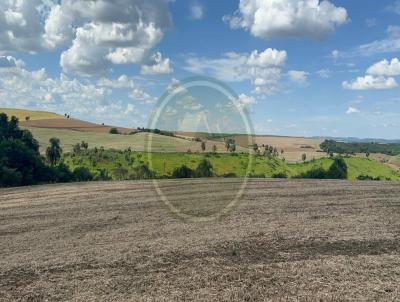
(163, 164)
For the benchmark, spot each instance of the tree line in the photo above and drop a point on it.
(332, 146)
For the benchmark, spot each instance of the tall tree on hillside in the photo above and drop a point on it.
(54, 151)
(203, 146)
(304, 157)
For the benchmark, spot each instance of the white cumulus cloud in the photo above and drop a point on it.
(263, 69)
(352, 110)
(370, 82)
(385, 68)
(287, 18)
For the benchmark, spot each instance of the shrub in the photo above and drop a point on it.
(255, 175)
(82, 174)
(229, 175)
(143, 172)
(114, 131)
(367, 177)
(183, 172)
(314, 173)
(102, 175)
(281, 174)
(338, 169)
(204, 169)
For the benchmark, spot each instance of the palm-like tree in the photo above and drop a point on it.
(54, 151)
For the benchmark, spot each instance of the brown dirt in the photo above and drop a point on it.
(72, 124)
(116, 241)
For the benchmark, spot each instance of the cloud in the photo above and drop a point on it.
(335, 54)
(352, 110)
(244, 100)
(393, 31)
(298, 76)
(37, 90)
(263, 69)
(157, 65)
(20, 25)
(370, 82)
(94, 34)
(122, 82)
(269, 57)
(324, 73)
(387, 45)
(394, 8)
(385, 68)
(196, 11)
(287, 18)
(6, 62)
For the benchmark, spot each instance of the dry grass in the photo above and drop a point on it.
(33, 115)
(116, 241)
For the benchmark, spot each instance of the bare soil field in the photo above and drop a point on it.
(117, 241)
(72, 124)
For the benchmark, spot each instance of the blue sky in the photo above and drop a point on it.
(301, 67)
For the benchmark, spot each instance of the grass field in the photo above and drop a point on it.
(294, 240)
(33, 115)
(164, 164)
(138, 141)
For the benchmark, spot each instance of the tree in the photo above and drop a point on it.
(214, 148)
(367, 154)
(304, 157)
(204, 169)
(183, 172)
(82, 174)
(338, 169)
(76, 149)
(20, 160)
(54, 151)
(255, 148)
(203, 146)
(114, 131)
(84, 145)
(27, 118)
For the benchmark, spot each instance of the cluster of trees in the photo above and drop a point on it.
(156, 131)
(204, 169)
(21, 163)
(338, 170)
(269, 150)
(230, 144)
(331, 146)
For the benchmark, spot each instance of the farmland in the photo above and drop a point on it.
(260, 166)
(287, 239)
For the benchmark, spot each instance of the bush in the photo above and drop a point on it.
(229, 175)
(338, 169)
(367, 177)
(63, 173)
(143, 172)
(204, 169)
(255, 175)
(114, 131)
(82, 174)
(314, 173)
(183, 172)
(102, 175)
(280, 175)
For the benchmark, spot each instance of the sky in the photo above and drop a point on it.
(299, 67)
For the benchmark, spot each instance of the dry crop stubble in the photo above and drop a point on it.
(286, 240)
